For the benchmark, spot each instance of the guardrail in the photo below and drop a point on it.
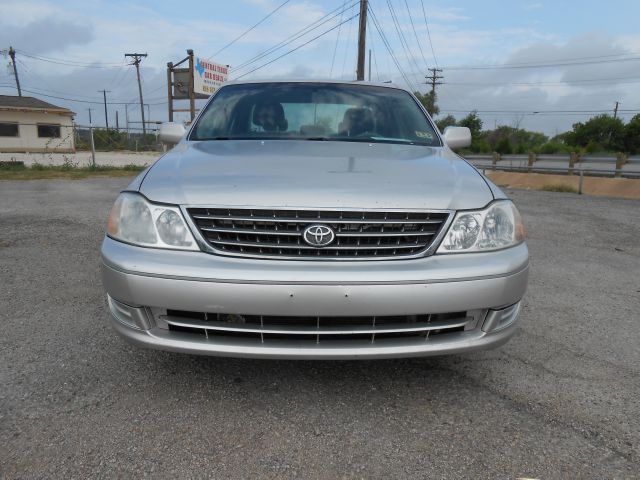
(570, 164)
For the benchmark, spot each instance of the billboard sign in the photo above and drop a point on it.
(208, 76)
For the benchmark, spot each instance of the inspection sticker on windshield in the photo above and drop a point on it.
(424, 135)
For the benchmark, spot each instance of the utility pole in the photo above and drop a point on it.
(369, 64)
(192, 95)
(12, 54)
(362, 34)
(106, 116)
(126, 118)
(137, 58)
(170, 90)
(433, 78)
(615, 110)
(90, 122)
(117, 122)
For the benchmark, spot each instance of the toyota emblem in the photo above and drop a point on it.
(318, 235)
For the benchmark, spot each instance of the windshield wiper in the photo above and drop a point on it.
(392, 139)
(318, 139)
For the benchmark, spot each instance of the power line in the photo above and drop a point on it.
(249, 29)
(294, 49)
(76, 100)
(387, 45)
(424, 14)
(66, 94)
(594, 81)
(69, 63)
(122, 79)
(558, 63)
(335, 48)
(299, 34)
(79, 62)
(415, 34)
(120, 72)
(373, 49)
(385, 42)
(403, 41)
(347, 48)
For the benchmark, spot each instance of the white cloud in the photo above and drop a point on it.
(450, 14)
(558, 88)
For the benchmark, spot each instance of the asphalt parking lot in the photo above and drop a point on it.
(561, 400)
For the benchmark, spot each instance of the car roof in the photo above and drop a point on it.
(315, 80)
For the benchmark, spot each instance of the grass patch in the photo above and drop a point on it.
(71, 171)
(559, 187)
(12, 165)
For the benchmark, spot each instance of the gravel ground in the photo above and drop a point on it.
(561, 400)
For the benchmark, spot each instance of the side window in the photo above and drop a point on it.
(9, 129)
(48, 131)
(222, 118)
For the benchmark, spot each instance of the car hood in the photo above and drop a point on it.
(315, 174)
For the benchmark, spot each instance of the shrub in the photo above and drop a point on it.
(559, 187)
(552, 147)
(504, 147)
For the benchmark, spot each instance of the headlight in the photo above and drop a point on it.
(135, 220)
(497, 226)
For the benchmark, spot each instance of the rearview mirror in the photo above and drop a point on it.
(171, 132)
(457, 137)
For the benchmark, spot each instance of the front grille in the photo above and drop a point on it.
(318, 329)
(279, 233)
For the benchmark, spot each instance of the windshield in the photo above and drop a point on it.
(315, 111)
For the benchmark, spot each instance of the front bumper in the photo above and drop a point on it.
(140, 282)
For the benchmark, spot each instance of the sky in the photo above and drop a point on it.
(538, 65)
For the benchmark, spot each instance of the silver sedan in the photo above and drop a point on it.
(324, 220)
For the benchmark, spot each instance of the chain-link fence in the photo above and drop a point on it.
(78, 145)
(53, 137)
(110, 140)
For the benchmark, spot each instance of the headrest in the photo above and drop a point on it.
(270, 116)
(357, 121)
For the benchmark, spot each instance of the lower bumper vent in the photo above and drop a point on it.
(318, 329)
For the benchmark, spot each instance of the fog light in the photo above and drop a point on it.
(133, 317)
(498, 319)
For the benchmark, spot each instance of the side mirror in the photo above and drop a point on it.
(171, 132)
(457, 137)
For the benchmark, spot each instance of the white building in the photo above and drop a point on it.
(31, 125)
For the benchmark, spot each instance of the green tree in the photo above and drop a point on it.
(448, 121)
(604, 131)
(504, 146)
(551, 147)
(518, 139)
(478, 141)
(632, 135)
(429, 100)
(473, 123)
